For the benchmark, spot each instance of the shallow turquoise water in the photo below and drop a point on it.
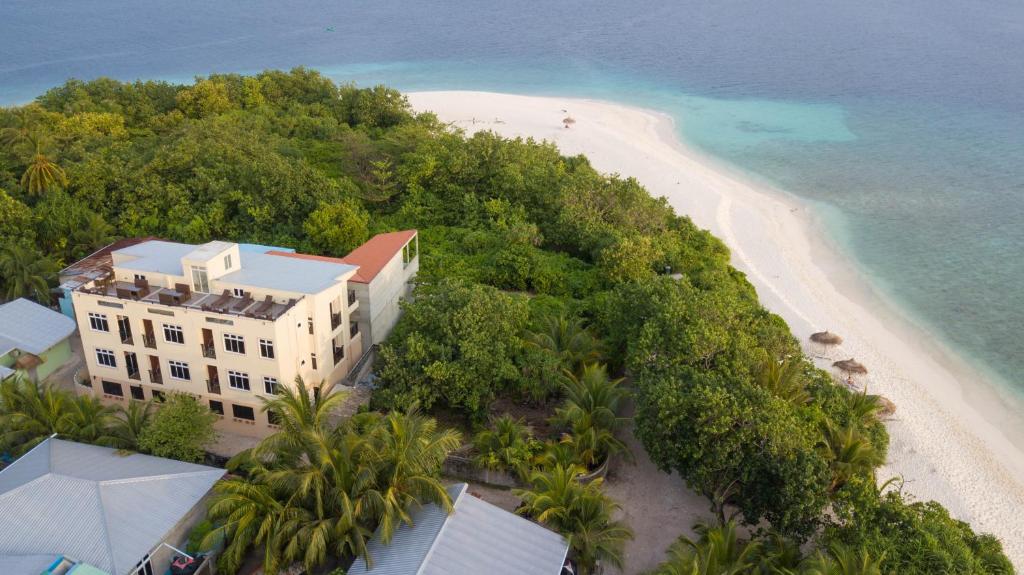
(905, 121)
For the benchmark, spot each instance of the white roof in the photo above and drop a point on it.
(30, 327)
(476, 538)
(94, 505)
(258, 270)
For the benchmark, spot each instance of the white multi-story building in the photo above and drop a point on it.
(230, 325)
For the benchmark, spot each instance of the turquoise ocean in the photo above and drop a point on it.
(902, 123)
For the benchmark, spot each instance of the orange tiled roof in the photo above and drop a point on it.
(371, 257)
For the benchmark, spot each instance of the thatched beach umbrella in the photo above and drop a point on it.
(851, 366)
(888, 408)
(826, 338)
(568, 121)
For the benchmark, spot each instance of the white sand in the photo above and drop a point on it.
(946, 437)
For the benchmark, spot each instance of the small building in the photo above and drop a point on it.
(475, 538)
(387, 264)
(33, 339)
(92, 508)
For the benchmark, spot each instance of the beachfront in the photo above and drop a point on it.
(945, 447)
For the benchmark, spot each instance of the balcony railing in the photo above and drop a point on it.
(135, 375)
(126, 338)
(351, 297)
(335, 320)
(353, 329)
(213, 386)
(155, 376)
(339, 354)
(149, 340)
(209, 351)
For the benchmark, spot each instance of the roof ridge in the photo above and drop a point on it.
(437, 537)
(106, 529)
(160, 477)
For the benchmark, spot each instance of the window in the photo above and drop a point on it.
(234, 343)
(157, 395)
(179, 370)
(238, 380)
(106, 358)
(312, 357)
(140, 277)
(266, 348)
(271, 386)
(220, 321)
(273, 418)
(98, 322)
(309, 320)
(173, 334)
(227, 262)
(239, 292)
(137, 392)
(111, 388)
(199, 281)
(243, 412)
(216, 407)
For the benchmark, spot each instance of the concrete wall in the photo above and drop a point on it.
(379, 300)
(53, 359)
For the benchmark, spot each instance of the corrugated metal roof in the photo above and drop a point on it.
(94, 505)
(476, 538)
(5, 371)
(28, 326)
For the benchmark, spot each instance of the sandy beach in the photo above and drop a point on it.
(954, 439)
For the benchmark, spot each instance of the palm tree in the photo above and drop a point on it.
(91, 233)
(718, 550)
(593, 397)
(849, 453)
(247, 514)
(90, 421)
(30, 412)
(579, 511)
(25, 272)
(784, 379)
(567, 339)
(302, 414)
(129, 423)
(842, 560)
(863, 407)
(593, 445)
(42, 173)
(407, 454)
(505, 444)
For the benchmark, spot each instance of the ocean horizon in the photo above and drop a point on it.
(903, 125)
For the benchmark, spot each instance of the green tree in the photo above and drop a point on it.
(16, 221)
(506, 444)
(204, 98)
(338, 228)
(841, 560)
(30, 412)
(42, 173)
(849, 453)
(26, 272)
(718, 550)
(567, 339)
(129, 425)
(180, 429)
(783, 379)
(455, 346)
(579, 511)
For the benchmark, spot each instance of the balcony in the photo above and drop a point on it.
(149, 340)
(126, 338)
(339, 354)
(209, 351)
(335, 320)
(135, 375)
(155, 376)
(353, 329)
(213, 386)
(352, 298)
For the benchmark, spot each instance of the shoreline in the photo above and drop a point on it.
(947, 437)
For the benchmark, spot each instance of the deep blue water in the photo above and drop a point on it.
(904, 119)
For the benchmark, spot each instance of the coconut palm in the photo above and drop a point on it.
(303, 413)
(579, 511)
(30, 412)
(849, 453)
(594, 537)
(247, 514)
(25, 272)
(592, 396)
(718, 550)
(42, 173)
(842, 560)
(863, 408)
(91, 233)
(90, 421)
(591, 444)
(568, 339)
(506, 444)
(784, 379)
(129, 423)
(408, 450)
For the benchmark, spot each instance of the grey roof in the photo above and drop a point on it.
(94, 505)
(5, 372)
(300, 275)
(476, 538)
(26, 564)
(259, 270)
(30, 327)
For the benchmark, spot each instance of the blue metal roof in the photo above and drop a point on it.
(28, 326)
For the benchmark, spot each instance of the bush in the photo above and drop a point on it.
(180, 429)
